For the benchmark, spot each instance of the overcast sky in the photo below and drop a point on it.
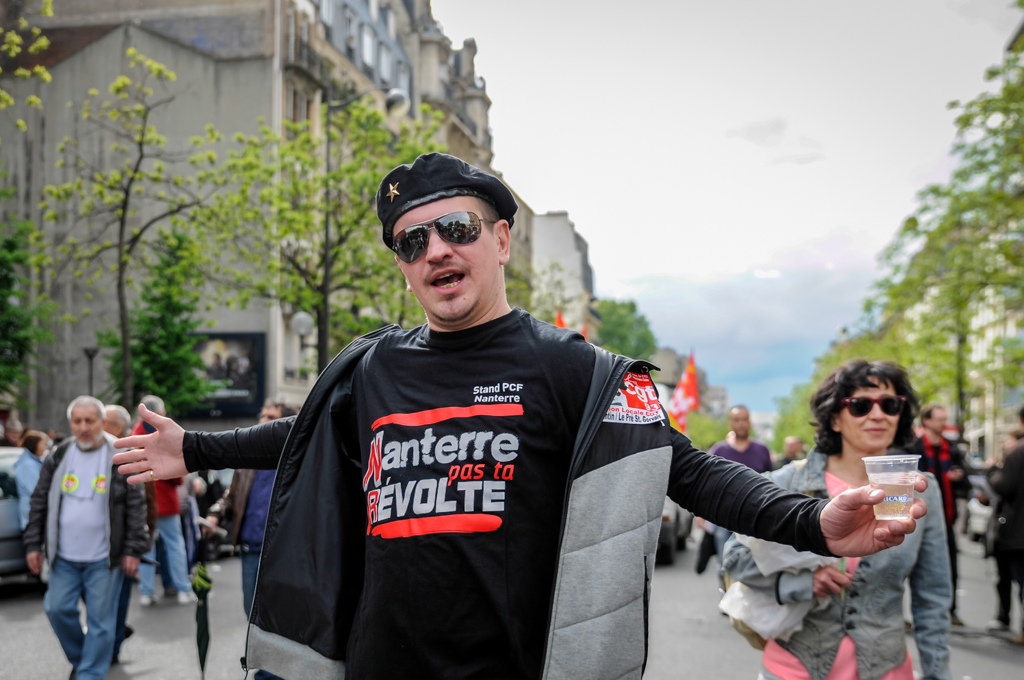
(735, 166)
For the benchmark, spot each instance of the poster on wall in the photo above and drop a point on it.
(234, 365)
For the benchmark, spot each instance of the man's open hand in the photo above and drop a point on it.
(159, 452)
(850, 528)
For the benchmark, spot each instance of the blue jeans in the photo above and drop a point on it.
(174, 543)
(250, 564)
(122, 612)
(100, 588)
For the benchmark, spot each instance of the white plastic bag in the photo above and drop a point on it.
(771, 557)
(760, 611)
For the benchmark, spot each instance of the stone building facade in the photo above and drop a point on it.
(236, 61)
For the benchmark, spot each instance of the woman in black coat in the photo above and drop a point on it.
(1007, 480)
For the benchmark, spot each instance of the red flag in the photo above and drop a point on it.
(677, 406)
(692, 392)
(686, 396)
(559, 321)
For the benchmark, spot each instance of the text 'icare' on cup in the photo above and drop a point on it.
(895, 476)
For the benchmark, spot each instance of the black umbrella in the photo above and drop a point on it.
(201, 587)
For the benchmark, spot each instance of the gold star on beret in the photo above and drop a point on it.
(393, 191)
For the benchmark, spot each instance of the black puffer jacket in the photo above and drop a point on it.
(1008, 482)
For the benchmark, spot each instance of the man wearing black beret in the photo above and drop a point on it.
(478, 497)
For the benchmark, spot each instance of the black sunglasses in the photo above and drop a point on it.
(459, 228)
(861, 406)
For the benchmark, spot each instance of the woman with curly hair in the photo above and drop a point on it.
(856, 630)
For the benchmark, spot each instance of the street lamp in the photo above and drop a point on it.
(302, 324)
(90, 354)
(396, 104)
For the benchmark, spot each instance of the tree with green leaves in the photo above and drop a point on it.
(958, 263)
(705, 430)
(271, 222)
(23, 320)
(625, 330)
(119, 197)
(16, 33)
(163, 328)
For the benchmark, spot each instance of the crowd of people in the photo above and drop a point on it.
(92, 536)
(399, 531)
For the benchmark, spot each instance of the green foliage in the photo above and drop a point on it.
(270, 223)
(794, 418)
(704, 430)
(625, 330)
(162, 329)
(119, 195)
(955, 268)
(517, 287)
(22, 320)
(13, 41)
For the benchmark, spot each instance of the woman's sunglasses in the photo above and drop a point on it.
(459, 228)
(861, 406)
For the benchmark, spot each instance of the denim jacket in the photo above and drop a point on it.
(871, 612)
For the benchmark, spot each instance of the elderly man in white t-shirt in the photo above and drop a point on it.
(90, 526)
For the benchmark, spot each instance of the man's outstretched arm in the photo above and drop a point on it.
(735, 497)
(171, 452)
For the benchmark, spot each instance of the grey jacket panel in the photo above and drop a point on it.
(598, 618)
(288, 658)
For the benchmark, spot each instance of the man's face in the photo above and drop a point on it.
(86, 426)
(937, 423)
(269, 413)
(458, 286)
(112, 425)
(739, 422)
(793, 448)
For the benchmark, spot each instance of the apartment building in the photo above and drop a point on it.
(236, 62)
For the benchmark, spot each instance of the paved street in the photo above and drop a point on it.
(689, 638)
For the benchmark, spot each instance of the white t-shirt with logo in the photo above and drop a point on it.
(82, 530)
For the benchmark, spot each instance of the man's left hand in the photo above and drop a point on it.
(955, 474)
(851, 530)
(130, 566)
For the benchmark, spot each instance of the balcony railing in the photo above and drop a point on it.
(304, 56)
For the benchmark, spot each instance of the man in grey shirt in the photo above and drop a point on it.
(91, 527)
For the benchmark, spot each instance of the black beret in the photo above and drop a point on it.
(434, 176)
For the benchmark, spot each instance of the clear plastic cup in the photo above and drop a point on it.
(895, 475)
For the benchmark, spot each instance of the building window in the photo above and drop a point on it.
(385, 63)
(296, 105)
(327, 12)
(392, 23)
(289, 103)
(351, 30)
(368, 40)
(403, 78)
(374, 9)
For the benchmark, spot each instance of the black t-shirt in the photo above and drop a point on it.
(466, 440)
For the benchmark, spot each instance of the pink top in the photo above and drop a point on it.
(781, 663)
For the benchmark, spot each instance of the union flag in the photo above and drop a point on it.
(559, 321)
(686, 396)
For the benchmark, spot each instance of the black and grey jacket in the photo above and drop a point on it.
(126, 510)
(311, 574)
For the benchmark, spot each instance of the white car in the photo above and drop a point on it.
(676, 523)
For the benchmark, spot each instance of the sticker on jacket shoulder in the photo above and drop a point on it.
(636, 403)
